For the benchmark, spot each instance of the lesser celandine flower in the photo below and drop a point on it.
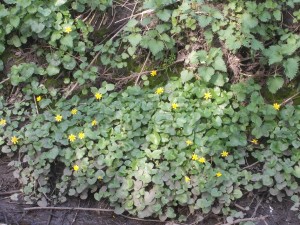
(218, 174)
(2, 122)
(174, 105)
(187, 179)
(254, 141)
(14, 140)
(202, 160)
(224, 154)
(98, 96)
(38, 98)
(74, 111)
(75, 167)
(207, 95)
(188, 142)
(276, 106)
(159, 91)
(153, 73)
(194, 157)
(94, 123)
(58, 118)
(68, 29)
(81, 135)
(72, 137)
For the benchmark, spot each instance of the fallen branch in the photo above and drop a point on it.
(9, 192)
(246, 219)
(68, 208)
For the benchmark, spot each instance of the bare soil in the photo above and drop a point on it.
(12, 212)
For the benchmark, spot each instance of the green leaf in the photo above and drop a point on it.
(291, 67)
(60, 2)
(69, 62)
(164, 15)
(44, 103)
(218, 79)
(248, 21)
(277, 15)
(52, 70)
(15, 21)
(155, 46)
(37, 27)
(154, 138)
(16, 41)
(274, 84)
(67, 41)
(134, 39)
(186, 75)
(237, 193)
(53, 153)
(206, 73)
(219, 64)
(274, 53)
(296, 171)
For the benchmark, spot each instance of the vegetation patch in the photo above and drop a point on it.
(185, 104)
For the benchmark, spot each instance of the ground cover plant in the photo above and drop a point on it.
(185, 104)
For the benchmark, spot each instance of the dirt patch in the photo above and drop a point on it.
(12, 212)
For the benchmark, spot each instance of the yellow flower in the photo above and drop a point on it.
(58, 118)
(75, 167)
(68, 29)
(174, 105)
(202, 160)
(254, 141)
(153, 73)
(81, 135)
(188, 142)
(218, 174)
(224, 154)
(276, 106)
(207, 95)
(38, 98)
(187, 179)
(99, 178)
(2, 122)
(159, 91)
(98, 96)
(73, 111)
(194, 157)
(94, 123)
(14, 140)
(72, 137)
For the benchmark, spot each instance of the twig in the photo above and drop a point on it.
(240, 207)
(289, 99)
(247, 167)
(68, 208)
(138, 14)
(10, 192)
(256, 207)
(36, 107)
(71, 90)
(140, 73)
(139, 219)
(4, 80)
(246, 219)
(75, 214)
(49, 219)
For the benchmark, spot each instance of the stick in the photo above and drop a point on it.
(246, 167)
(137, 79)
(139, 219)
(246, 219)
(4, 80)
(68, 208)
(10, 192)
